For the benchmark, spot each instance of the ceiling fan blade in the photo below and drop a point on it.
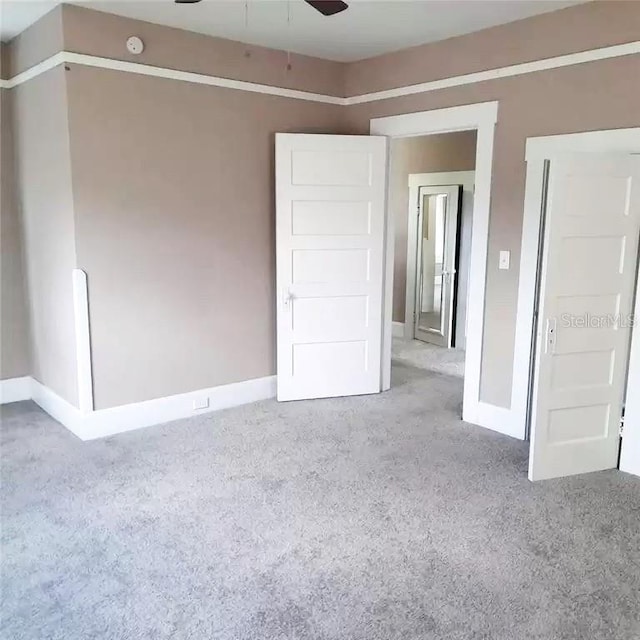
(328, 7)
(186, 1)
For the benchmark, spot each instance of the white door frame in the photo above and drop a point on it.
(481, 117)
(414, 182)
(537, 151)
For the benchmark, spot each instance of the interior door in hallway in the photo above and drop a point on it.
(588, 277)
(436, 264)
(330, 215)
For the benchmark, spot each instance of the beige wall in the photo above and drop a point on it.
(598, 95)
(174, 202)
(43, 179)
(586, 97)
(425, 154)
(587, 26)
(5, 72)
(14, 329)
(102, 34)
(184, 298)
(37, 43)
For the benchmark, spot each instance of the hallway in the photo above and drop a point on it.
(423, 355)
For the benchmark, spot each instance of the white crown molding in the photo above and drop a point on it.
(544, 64)
(34, 71)
(591, 55)
(67, 57)
(197, 78)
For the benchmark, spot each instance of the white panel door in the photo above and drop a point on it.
(330, 210)
(586, 304)
(436, 260)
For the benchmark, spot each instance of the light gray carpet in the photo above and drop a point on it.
(428, 356)
(367, 518)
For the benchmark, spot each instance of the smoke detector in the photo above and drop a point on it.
(135, 45)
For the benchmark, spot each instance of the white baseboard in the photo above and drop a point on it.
(397, 329)
(59, 408)
(105, 422)
(15, 389)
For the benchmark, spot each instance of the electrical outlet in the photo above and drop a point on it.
(201, 403)
(505, 259)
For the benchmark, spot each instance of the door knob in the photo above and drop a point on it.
(550, 342)
(287, 297)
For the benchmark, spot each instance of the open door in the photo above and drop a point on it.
(587, 287)
(330, 214)
(436, 254)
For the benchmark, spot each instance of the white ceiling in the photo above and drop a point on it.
(367, 28)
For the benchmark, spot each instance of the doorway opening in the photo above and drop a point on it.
(480, 117)
(440, 217)
(431, 193)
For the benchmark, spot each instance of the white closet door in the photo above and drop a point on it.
(586, 302)
(330, 206)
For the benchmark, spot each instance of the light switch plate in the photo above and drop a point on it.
(505, 259)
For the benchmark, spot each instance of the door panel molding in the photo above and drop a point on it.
(538, 151)
(588, 273)
(330, 199)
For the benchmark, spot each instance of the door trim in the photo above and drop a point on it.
(538, 150)
(481, 117)
(415, 181)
